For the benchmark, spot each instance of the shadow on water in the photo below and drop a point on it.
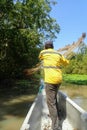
(16, 109)
(16, 100)
(14, 105)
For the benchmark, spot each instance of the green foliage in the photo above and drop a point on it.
(75, 79)
(69, 68)
(78, 64)
(24, 25)
(19, 53)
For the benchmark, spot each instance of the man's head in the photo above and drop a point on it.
(49, 44)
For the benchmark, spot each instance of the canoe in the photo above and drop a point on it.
(73, 117)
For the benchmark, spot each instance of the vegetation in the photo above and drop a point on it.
(24, 25)
(77, 79)
(78, 62)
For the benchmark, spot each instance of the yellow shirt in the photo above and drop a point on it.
(52, 62)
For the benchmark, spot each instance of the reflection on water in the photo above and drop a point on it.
(14, 109)
(81, 101)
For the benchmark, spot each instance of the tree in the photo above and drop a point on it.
(25, 24)
(78, 64)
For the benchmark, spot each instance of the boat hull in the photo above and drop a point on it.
(73, 117)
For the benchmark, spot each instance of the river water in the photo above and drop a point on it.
(14, 109)
(81, 101)
(78, 94)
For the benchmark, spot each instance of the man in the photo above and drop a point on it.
(52, 63)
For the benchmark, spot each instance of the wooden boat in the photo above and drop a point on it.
(73, 116)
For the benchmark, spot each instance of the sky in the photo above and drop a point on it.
(71, 15)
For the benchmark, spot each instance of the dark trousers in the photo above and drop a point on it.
(51, 96)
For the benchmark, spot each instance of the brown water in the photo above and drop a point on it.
(11, 123)
(13, 110)
(81, 101)
(78, 94)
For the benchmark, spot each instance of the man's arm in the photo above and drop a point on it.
(64, 61)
